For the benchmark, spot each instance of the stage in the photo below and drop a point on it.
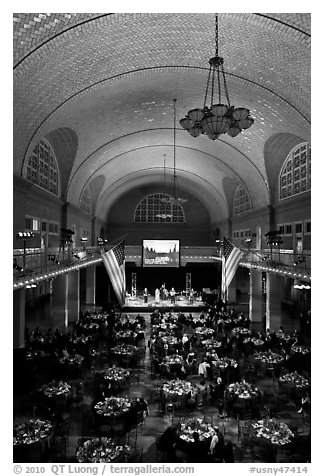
(181, 304)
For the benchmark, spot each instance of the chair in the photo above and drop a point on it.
(159, 453)
(131, 438)
(58, 449)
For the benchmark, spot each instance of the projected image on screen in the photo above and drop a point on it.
(161, 253)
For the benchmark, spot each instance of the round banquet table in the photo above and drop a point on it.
(185, 431)
(170, 343)
(241, 331)
(176, 392)
(57, 395)
(295, 385)
(204, 331)
(171, 364)
(241, 397)
(126, 354)
(112, 412)
(271, 433)
(268, 360)
(211, 344)
(102, 450)
(117, 378)
(228, 368)
(32, 440)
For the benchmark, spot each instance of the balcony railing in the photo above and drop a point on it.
(37, 262)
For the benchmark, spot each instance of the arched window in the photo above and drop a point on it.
(85, 201)
(295, 175)
(42, 169)
(159, 208)
(242, 201)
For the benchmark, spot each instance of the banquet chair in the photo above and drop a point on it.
(135, 457)
(159, 452)
(131, 438)
(58, 449)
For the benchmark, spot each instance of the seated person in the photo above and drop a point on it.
(197, 452)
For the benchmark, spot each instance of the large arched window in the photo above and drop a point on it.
(85, 201)
(159, 208)
(295, 175)
(42, 169)
(242, 201)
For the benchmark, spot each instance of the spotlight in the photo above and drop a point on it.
(25, 234)
(17, 267)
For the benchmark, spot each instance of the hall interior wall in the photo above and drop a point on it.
(196, 231)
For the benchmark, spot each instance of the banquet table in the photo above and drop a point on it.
(204, 331)
(294, 384)
(31, 440)
(102, 450)
(211, 343)
(241, 397)
(116, 377)
(57, 394)
(185, 431)
(126, 354)
(177, 391)
(241, 331)
(72, 364)
(272, 431)
(254, 340)
(127, 336)
(171, 364)
(112, 411)
(268, 360)
(300, 349)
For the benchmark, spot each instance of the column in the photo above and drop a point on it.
(91, 285)
(232, 291)
(60, 288)
(256, 306)
(73, 295)
(19, 318)
(273, 301)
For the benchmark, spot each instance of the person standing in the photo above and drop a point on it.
(191, 296)
(172, 295)
(145, 295)
(157, 295)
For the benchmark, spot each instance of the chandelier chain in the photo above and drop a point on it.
(216, 34)
(207, 87)
(225, 86)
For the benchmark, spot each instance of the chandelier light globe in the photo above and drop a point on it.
(221, 117)
(212, 136)
(240, 113)
(234, 130)
(246, 122)
(219, 109)
(215, 125)
(196, 115)
(195, 131)
(186, 123)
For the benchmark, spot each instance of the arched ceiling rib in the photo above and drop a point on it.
(111, 78)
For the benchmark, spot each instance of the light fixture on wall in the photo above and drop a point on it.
(221, 117)
(301, 285)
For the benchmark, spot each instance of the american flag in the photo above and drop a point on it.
(230, 260)
(114, 261)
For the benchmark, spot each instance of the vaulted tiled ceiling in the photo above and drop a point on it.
(110, 79)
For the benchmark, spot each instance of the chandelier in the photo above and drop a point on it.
(219, 118)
